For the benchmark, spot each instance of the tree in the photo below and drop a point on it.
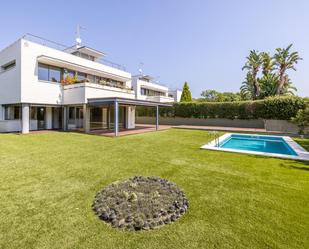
(268, 63)
(210, 95)
(186, 94)
(253, 64)
(285, 60)
(273, 79)
(247, 89)
(214, 96)
(302, 120)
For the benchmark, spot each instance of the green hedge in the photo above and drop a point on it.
(270, 108)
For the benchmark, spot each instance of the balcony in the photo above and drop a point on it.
(161, 99)
(79, 93)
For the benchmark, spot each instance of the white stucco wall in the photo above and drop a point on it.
(79, 93)
(10, 125)
(10, 90)
(39, 92)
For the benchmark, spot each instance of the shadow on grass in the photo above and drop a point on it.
(296, 165)
(287, 163)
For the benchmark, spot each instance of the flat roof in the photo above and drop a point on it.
(86, 50)
(124, 101)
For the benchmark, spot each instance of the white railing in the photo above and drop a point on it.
(61, 47)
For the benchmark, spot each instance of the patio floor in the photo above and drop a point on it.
(124, 132)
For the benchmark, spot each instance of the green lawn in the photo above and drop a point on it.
(48, 182)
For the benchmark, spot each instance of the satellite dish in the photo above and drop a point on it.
(140, 71)
(78, 41)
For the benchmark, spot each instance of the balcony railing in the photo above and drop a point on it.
(101, 83)
(61, 47)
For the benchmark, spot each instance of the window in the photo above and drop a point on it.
(81, 76)
(49, 73)
(16, 112)
(12, 113)
(33, 113)
(149, 92)
(91, 78)
(43, 72)
(54, 74)
(9, 65)
(71, 112)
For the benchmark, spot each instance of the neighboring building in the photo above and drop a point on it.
(146, 89)
(65, 88)
(175, 94)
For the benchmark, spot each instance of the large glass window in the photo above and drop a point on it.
(150, 92)
(43, 72)
(54, 74)
(12, 112)
(49, 73)
(81, 76)
(72, 113)
(33, 113)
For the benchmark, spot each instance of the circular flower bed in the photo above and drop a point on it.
(140, 203)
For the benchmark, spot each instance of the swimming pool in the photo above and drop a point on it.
(276, 146)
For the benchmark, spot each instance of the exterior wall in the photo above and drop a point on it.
(281, 126)
(35, 91)
(10, 89)
(10, 125)
(137, 84)
(240, 123)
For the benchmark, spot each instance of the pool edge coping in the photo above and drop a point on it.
(302, 154)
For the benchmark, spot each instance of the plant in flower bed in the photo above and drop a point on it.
(140, 203)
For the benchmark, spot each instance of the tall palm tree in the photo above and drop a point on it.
(247, 89)
(253, 64)
(268, 63)
(285, 60)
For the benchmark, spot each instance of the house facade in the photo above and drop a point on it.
(146, 89)
(47, 86)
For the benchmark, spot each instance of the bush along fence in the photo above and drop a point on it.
(281, 108)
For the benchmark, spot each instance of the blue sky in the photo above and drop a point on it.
(202, 42)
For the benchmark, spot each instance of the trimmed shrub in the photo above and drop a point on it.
(302, 120)
(270, 108)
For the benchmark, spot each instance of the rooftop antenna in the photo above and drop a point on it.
(78, 39)
(140, 69)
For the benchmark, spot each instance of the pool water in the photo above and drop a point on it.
(265, 144)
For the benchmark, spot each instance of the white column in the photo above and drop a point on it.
(130, 117)
(49, 118)
(86, 118)
(25, 118)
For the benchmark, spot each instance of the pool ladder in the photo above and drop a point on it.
(216, 138)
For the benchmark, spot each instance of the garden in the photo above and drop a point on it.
(52, 185)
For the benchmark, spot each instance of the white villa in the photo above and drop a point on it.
(146, 89)
(45, 85)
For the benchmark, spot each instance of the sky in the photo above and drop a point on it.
(204, 42)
